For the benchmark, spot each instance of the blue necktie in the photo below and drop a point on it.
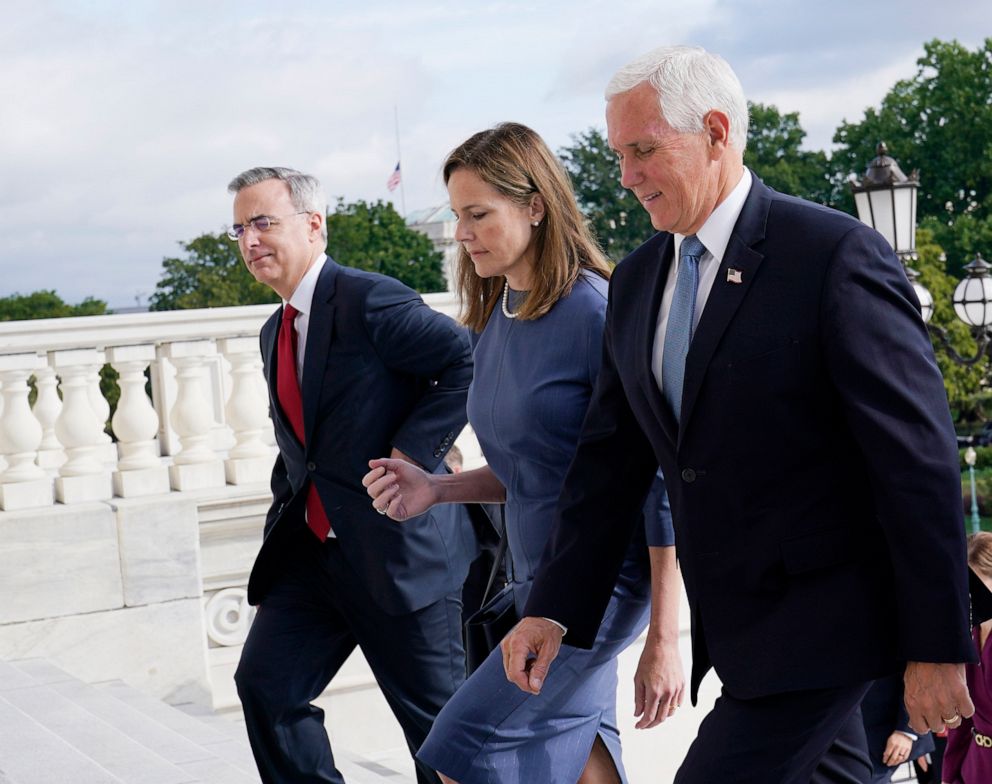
(678, 333)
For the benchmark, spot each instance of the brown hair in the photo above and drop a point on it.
(980, 553)
(515, 161)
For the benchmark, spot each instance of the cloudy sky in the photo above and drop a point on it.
(121, 122)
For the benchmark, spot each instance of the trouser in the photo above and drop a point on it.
(807, 737)
(310, 620)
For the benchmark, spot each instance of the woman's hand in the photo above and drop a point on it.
(399, 489)
(897, 749)
(659, 683)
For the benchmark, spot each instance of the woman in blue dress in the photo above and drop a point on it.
(533, 285)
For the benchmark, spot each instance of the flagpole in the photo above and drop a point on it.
(399, 159)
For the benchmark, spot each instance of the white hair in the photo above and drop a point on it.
(305, 190)
(690, 82)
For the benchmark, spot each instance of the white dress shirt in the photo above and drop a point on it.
(714, 234)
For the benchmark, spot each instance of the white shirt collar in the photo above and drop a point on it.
(715, 232)
(302, 298)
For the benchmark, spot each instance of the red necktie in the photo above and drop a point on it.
(288, 391)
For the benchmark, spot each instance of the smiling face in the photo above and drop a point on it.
(279, 257)
(496, 232)
(675, 176)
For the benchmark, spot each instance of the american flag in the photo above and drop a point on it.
(394, 178)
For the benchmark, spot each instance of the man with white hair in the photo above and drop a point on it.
(357, 367)
(770, 355)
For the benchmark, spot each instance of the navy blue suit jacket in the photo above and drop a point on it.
(814, 479)
(381, 370)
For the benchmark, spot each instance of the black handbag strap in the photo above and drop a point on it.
(500, 555)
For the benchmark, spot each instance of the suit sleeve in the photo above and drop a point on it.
(599, 506)
(880, 360)
(413, 339)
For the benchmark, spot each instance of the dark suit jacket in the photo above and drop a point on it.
(381, 370)
(883, 713)
(814, 479)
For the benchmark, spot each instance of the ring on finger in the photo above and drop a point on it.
(954, 718)
(383, 510)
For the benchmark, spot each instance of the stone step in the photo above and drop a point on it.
(126, 732)
(218, 743)
(126, 759)
(31, 754)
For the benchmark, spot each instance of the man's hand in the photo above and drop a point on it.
(897, 749)
(659, 683)
(936, 696)
(399, 488)
(528, 651)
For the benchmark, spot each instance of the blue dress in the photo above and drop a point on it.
(531, 388)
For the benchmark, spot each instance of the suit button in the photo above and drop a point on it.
(437, 453)
(311, 466)
(688, 475)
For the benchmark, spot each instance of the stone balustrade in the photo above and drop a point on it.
(205, 423)
(128, 547)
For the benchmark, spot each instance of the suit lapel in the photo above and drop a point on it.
(726, 296)
(647, 326)
(319, 333)
(271, 362)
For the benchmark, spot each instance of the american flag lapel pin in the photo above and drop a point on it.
(734, 275)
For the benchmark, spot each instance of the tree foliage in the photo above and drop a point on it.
(940, 122)
(46, 304)
(616, 218)
(375, 237)
(210, 274)
(773, 152)
(963, 383)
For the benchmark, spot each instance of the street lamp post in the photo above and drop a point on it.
(886, 200)
(970, 456)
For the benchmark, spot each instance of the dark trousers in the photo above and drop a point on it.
(310, 620)
(809, 737)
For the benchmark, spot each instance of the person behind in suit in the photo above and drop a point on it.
(533, 284)
(968, 754)
(356, 365)
(770, 355)
(891, 741)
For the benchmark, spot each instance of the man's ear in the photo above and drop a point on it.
(316, 223)
(717, 127)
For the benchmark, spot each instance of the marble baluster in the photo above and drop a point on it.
(23, 484)
(83, 477)
(247, 412)
(140, 470)
(46, 409)
(196, 466)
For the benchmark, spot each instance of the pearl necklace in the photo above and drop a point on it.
(506, 301)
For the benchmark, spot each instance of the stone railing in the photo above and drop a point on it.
(204, 425)
(127, 555)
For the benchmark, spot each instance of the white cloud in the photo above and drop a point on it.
(121, 124)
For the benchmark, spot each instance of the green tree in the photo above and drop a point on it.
(375, 237)
(615, 216)
(940, 122)
(963, 383)
(211, 274)
(773, 152)
(620, 223)
(46, 304)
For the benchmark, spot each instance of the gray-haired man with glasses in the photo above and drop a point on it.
(357, 366)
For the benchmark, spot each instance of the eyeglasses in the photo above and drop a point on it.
(260, 223)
